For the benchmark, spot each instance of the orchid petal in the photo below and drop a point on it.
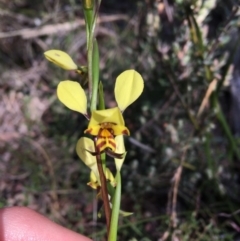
(105, 140)
(82, 146)
(93, 181)
(93, 130)
(60, 59)
(120, 130)
(72, 95)
(129, 86)
(120, 148)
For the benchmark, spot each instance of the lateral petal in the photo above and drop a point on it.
(129, 86)
(120, 130)
(120, 148)
(72, 95)
(82, 146)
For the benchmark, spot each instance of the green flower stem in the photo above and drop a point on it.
(95, 75)
(104, 192)
(101, 102)
(88, 14)
(115, 209)
(93, 80)
(90, 57)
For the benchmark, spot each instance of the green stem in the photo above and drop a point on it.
(93, 80)
(101, 101)
(88, 14)
(90, 53)
(115, 209)
(95, 75)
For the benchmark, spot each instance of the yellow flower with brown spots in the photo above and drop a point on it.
(106, 124)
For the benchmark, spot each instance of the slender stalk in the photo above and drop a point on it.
(101, 101)
(95, 75)
(115, 209)
(91, 88)
(93, 80)
(104, 192)
(88, 20)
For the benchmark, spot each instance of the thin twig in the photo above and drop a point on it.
(51, 29)
(176, 179)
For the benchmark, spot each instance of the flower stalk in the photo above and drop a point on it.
(105, 125)
(93, 78)
(103, 190)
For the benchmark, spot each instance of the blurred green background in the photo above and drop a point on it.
(181, 175)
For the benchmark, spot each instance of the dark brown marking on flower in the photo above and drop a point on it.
(88, 130)
(125, 132)
(110, 153)
(101, 144)
(93, 153)
(112, 143)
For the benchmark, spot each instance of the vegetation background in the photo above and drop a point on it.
(181, 175)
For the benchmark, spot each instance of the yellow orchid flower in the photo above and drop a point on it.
(60, 59)
(83, 148)
(106, 124)
(109, 123)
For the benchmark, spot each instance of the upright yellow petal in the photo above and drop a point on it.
(72, 95)
(61, 59)
(120, 148)
(128, 87)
